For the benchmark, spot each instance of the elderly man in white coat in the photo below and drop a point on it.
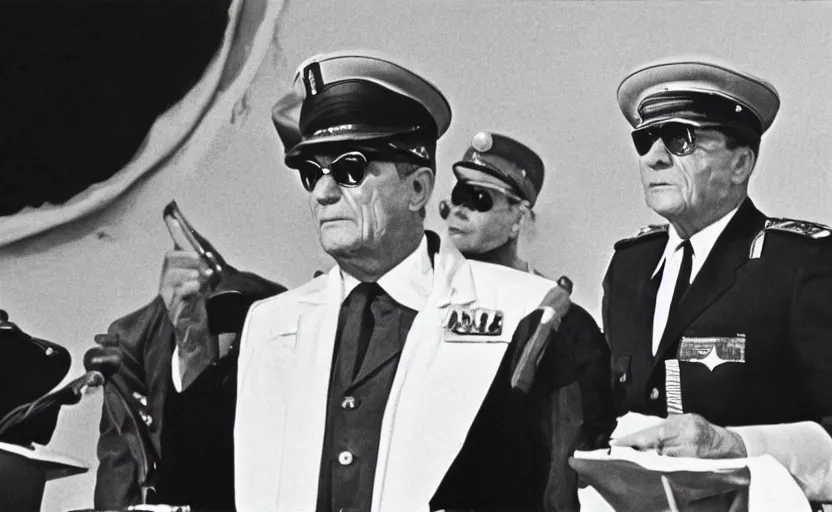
(399, 380)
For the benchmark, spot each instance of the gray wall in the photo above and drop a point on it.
(543, 71)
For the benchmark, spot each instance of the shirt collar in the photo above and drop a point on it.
(702, 242)
(409, 283)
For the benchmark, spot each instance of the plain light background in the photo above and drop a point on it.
(545, 72)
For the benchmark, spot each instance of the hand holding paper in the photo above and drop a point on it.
(686, 435)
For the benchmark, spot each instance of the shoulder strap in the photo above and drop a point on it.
(645, 233)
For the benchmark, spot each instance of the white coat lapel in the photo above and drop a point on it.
(436, 394)
(306, 411)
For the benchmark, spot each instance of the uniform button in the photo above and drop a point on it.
(623, 378)
(349, 403)
(654, 395)
(345, 458)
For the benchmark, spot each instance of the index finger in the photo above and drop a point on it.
(649, 438)
(177, 233)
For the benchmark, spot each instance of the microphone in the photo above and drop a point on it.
(103, 360)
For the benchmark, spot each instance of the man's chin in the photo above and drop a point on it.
(461, 243)
(664, 206)
(338, 249)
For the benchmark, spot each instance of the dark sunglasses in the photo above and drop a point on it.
(474, 198)
(348, 170)
(678, 138)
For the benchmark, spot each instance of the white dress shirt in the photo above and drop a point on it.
(702, 242)
(409, 283)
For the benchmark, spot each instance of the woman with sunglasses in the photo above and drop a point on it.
(498, 183)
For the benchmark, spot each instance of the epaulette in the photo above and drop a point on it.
(802, 228)
(643, 234)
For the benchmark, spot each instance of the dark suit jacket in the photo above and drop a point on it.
(780, 301)
(146, 341)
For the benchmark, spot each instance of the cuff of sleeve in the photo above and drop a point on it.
(770, 439)
(804, 448)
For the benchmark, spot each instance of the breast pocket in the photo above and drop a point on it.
(269, 364)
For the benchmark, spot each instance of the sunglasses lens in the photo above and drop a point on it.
(459, 194)
(482, 200)
(310, 173)
(644, 140)
(678, 138)
(472, 198)
(350, 169)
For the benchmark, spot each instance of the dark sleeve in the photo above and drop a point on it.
(119, 447)
(116, 484)
(556, 415)
(811, 331)
(605, 302)
(592, 359)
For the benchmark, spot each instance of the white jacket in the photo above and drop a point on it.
(442, 379)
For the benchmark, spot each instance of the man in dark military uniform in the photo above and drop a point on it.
(498, 184)
(720, 321)
(386, 384)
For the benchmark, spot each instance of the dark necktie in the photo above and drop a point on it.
(358, 319)
(683, 279)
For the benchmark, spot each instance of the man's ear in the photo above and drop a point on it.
(421, 183)
(523, 212)
(742, 165)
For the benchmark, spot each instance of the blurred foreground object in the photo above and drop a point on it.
(25, 471)
(30, 368)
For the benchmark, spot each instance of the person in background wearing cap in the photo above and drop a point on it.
(386, 384)
(498, 183)
(721, 321)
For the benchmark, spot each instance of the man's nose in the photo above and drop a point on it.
(326, 191)
(658, 157)
(459, 211)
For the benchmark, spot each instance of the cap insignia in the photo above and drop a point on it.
(482, 142)
(479, 161)
(312, 79)
(419, 151)
(335, 130)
